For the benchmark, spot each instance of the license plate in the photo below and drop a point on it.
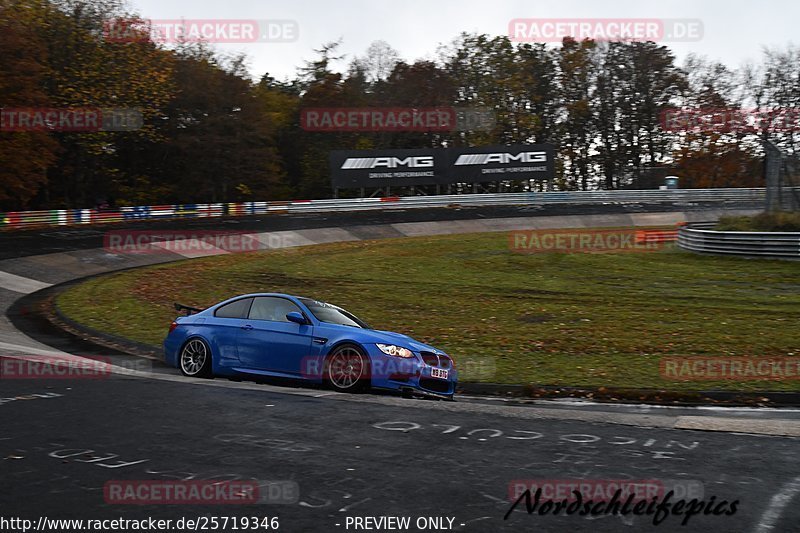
(439, 373)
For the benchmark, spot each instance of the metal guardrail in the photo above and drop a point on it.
(69, 217)
(754, 195)
(778, 245)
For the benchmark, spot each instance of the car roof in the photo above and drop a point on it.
(278, 295)
(252, 294)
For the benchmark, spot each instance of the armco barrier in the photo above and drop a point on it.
(69, 217)
(777, 245)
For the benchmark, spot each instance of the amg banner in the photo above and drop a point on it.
(381, 168)
(496, 163)
(431, 166)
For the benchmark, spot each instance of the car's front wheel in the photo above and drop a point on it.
(347, 369)
(195, 359)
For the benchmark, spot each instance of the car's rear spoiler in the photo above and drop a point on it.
(189, 310)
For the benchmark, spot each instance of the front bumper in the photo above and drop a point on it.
(413, 374)
(422, 393)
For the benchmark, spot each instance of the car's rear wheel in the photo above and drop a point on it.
(195, 359)
(347, 369)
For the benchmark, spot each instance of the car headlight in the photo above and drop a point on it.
(395, 351)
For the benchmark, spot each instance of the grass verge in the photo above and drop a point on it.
(550, 319)
(777, 221)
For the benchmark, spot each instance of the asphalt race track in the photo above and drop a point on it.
(362, 456)
(323, 460)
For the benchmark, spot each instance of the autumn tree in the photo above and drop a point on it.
(219, 144)
(24, 156)
(86, 70)
(577, 133)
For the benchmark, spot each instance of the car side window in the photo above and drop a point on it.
(272, 308)
(237, 309)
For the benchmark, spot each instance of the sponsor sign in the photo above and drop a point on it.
(432, 166)
(492, 163)
(381, 168)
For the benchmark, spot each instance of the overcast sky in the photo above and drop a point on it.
(734, 31)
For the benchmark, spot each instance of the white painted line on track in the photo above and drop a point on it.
(779, 501)
(21, 284)
(28, 350)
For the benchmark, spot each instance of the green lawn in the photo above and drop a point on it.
(547, 319)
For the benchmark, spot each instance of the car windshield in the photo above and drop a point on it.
(331, 314)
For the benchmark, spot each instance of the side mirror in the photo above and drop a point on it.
(297, 318)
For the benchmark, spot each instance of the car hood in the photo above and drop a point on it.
(399, 338)
(388, 337)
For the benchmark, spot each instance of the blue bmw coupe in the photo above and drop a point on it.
(278, 335)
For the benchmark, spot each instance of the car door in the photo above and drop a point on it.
(225, 326)
(269, 342)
